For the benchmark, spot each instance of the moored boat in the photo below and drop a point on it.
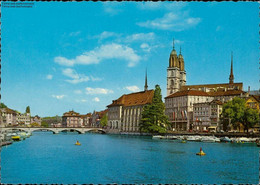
(16, 138)
(225, 139)
(208, 139)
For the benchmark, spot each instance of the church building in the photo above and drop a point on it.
(181, 97)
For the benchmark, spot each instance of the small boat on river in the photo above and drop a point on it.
(77, 143)
(225, 139)
(16, 138)
(201, 153)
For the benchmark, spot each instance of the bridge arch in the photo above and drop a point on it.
(97, 129)
(41, 129)
(72, 129)
(15, 129)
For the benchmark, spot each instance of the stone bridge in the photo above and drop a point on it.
(55, 130)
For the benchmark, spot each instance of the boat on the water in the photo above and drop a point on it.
(225, 139)
(208, 139)
(16, 138)
(159, 137)
(77, 143)
(201, 153)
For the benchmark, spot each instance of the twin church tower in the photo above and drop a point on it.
(176, 74)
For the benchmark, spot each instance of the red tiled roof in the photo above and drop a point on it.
(217, 102)
(226, 93)
(102, 113)
(8, 111)
(133, 99)
(71, 114)
(188, 93)
(185, 87)
(86, 115)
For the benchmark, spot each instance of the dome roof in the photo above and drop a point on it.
(173, 52)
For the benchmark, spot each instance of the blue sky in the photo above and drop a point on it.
(61, 56)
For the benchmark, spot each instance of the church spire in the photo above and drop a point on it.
(173, 44)
(231, 76)
(180, 50)
(145, 86)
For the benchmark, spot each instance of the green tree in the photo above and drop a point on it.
(2, 105)
(103, 121)
(28, 109)
(153, 118)
(44, 124)
(34, 124)
(236, 112)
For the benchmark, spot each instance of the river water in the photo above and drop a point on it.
(53, 158)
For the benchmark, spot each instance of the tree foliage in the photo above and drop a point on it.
(34, 124)
(153, 118)
(28, 109)
(44, 124)
(2, 105)
(103, 121)
(237, 112)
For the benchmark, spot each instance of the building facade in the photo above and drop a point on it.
(125, 113)
(206, 116)
(179, 108)
(24, 119)
(36, 119)
(96, 118)
(8, 117)
(72, 119)
(87, 119)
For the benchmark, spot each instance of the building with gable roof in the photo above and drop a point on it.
(125, 113)
(72, 119)
(8, 117)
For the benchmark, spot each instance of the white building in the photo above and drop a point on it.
(24, 118)
(179, 107)
(8, 117)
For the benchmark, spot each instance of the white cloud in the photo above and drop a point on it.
(49, 77)
(90, 90)
(161, 5)
(140, 37)
(171, 21)
(95, 78)
(59, 97)
(96, 99)
(105, 52)
(73, 34)
(145, 47)
(112, 8)
(63, 61)
(76, 78)
(133, 88)
(106, 34)
(81, 101)
(78, 92)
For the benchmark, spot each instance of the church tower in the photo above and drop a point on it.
(176, 75)
(146, 84)
(231, 76)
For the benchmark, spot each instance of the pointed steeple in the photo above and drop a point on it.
(231, 76)
(145, 86)
(173, 44)
(180, 50)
